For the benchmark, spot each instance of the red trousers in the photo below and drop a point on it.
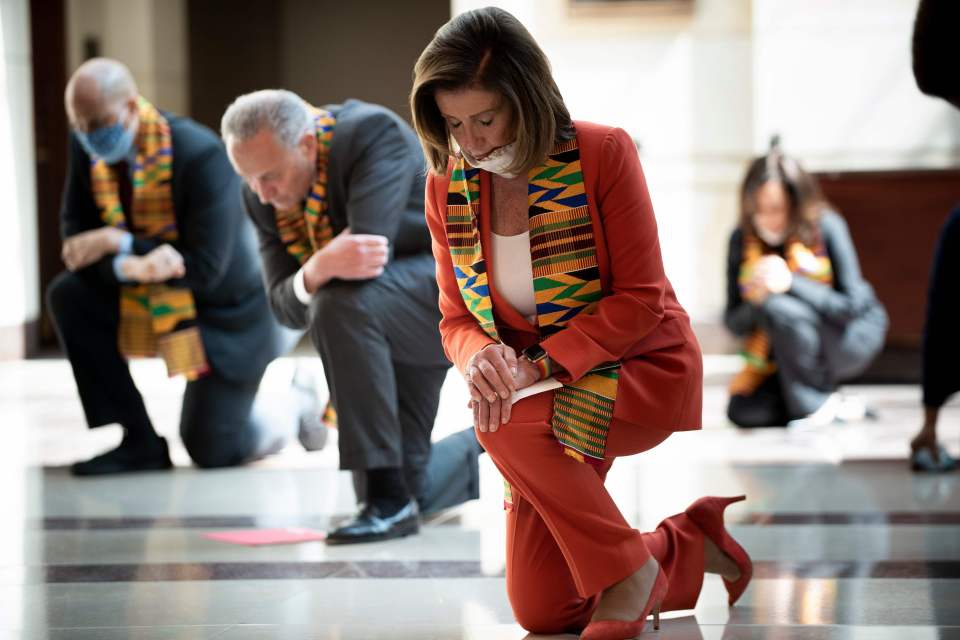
(566, 539)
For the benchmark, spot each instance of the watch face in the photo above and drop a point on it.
(535, 352)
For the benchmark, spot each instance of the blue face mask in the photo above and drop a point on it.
(110, 144)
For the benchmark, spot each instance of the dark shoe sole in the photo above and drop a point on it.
(399, 531)
(79, 471)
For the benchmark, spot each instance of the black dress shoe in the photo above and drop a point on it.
(125, 458)
(371, 526)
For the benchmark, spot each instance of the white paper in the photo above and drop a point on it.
(535, 388)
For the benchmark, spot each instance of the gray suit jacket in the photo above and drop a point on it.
(376, 179)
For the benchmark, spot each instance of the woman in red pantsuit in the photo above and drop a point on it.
(551, 282)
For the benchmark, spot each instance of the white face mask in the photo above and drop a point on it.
(496, 162)
(773, 239)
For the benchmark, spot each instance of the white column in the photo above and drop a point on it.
(18, 204)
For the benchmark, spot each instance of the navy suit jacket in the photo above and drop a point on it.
(215, 238)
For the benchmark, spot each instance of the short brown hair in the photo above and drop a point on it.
(489, 49)
(806, 201)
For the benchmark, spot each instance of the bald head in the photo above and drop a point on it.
(97, 92)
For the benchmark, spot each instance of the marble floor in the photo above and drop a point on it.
(848, 544)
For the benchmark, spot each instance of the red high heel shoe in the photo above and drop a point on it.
(707, 514)
(622, 630)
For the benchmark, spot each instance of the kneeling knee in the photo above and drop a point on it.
(778, 308)
(494, 441)
(340, 305)
(208, 455)
(540, 621)
(63, 292)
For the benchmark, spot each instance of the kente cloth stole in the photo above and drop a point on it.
(305, 230)
(813, 263)
(154, 318)
(566, 282)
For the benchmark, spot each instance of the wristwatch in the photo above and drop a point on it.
(539, 357)
(534, 353)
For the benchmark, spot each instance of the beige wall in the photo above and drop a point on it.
(18, 254)
(331, 51)
(149, 36)
(703, 90)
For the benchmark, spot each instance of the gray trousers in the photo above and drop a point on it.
(812, 354)
(380, 346)
(451, 477)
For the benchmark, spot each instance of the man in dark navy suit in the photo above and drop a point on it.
(152, 223)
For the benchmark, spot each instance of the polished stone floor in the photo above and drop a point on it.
(848, 544)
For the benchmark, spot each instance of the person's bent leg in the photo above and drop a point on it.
(349, 326)
(452, 475)
(599, 547)
(418, 396)
(763, 408)
(676, 543)
(220, 427)
(86, 316)
(345, 328)
(941, 340)
(445, 473)
(540, 587)
(381, 336)
(941, 348)
(405, 306)
(795, 336)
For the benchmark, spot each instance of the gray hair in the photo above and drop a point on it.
(283, 112)
(112, 78)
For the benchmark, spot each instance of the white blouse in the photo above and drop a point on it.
(513, 273)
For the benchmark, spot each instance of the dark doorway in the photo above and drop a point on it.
(49, 51)
(324, 50)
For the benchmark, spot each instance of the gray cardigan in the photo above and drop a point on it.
(376, 179)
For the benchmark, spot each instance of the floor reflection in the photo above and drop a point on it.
(848, 544)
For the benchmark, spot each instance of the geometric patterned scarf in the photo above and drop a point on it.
(566, 282)
(154, 318)
(305, 230)
(802, 260)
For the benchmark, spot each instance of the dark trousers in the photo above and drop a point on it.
(941, 334)
(812, 356)
(217, 422)
(382, 357)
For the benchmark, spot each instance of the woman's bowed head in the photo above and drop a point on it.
(483, 88)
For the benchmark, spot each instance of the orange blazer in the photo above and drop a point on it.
(639, 320)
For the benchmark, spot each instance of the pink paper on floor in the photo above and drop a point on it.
(255, 537)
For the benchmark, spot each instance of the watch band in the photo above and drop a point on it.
(545, 365)
(539, 357)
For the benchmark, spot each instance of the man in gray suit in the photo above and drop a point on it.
(336, 195)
